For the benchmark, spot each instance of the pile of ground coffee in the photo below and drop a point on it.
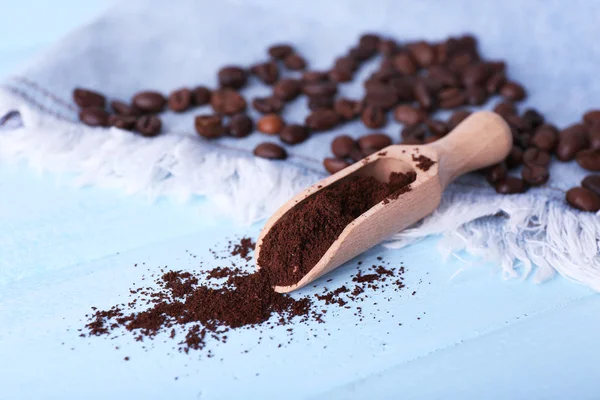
(301, 237)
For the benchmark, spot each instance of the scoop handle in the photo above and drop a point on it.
(481, 140)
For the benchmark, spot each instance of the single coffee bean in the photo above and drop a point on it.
(505, 109)
(373, 117)
(209, 126)
(589, 159)
(436, 127)
(495, 82)
(496, 173)
(362, 53)
(148, 125)
(294, 62)
(201, 95)
(475, 75)
(443, 76)
(423, 96)
(86, 98)
(270, 151)
(240, 126)
(583, 199)
(315, 103)
(545, 137)
(594, 136)
(534, 156)
(149, 102)
(232, 77)
(533, 118)
(180, 100)
(369, 40)
(387, 47)
(456, 118)
(227, 101)
(592, 182)
(315, 76)
(414, 132)
(320, 89)
(347, 109)
(340, 75)
(287, 89)
(93, 116)
(374, 142)
(535, 175)
(267, 72)
(381, 95)
(512, 91)
(570, 141)
(422, 52)
(294, 134)
(280, 51)
(592, 117)
(268, 105)
(476, 95)
(122, 121)
(460, 61)
(271, 124)
(333, 165)
(404, 63)
(409, 115)
(346, 63)
(510, 185)
(451, 98)
(322, 120)
(343, 145)
(124, 109)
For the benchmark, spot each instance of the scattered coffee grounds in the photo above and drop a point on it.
(423, 162)
(318, 221)
(244, 248)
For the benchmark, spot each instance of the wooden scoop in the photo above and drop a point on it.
(481, 140)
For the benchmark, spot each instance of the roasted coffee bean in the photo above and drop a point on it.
(267, 72)
(315, 103)
(437, 127)
(456, 118)
(369, 144)
(369, 40)
(201, 95)
(592, 117)
(294, 62)
(451, 98)
(589, 159)
(340, 75)
(347, 109)
(513, 91)
(333, 165)
(441, 53)
(209, 126)
(495, 82)
(476, 95)
(409, 115)
(373, 117)
(535, 175)
(271, 124)
(322, 120)
(124, 109)
(320, 89)
(583, 199)
(423, 96)
(381, 95)
(149, 102)
(294, 134)
(533, 118)
(514, 121)
(86, 98)
(510, 185)
(403, 87)
(287, 89)
(93, 116)
(148, 125)
(240, 126)
(122, 121)
(594, 136)
(232, 77)
(443, 75)
(346, 63)
(459, 62)
(357, 154)
(414, 132)
(475, 75)
(387, 47)
(270, 151)
(592, 182)
(496, 173)
(545, 137)
(534, 156)
(422, 52)
(280, 51)
(228, 102)
(362, 53)
(268, 105)
(343, 145)
(404, 63)
(180, 100)
(570, 141)
(315, 76)
(505, 108)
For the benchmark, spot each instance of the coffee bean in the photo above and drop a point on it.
(124, 109)
(476, 95)
(535, 175)
(149, 102)
(369, 40)
(510, 185)
(387, 47)
(340, 75)
(475, 75)
(381, 95)
(437, 127)
(413, 132)
(209, 126)
(409, 115)
(495, 82)
(201, 96)
(522, 139)
(514, 121)
(457, 117)
(320, 89)
(346, 63)
(594, 136)
(315, 76)
(343, 145)
(287, 89)
(267, 72)
(443, 75)
(373, 117)
(592, 117)
(589, 159)
(496, 173)
(270, 151)
(362, 53)
(347, 109)
(423, 96)
(315, 103)
(227, 101)
(404, 88)
(592, 182)
(505, 109)
(422, 52)
(268, 105)
(533, 118)
(294, 62)
(369, 144)
(404, 63)
(583, 199)
(93, 116)
(441, 53)
(545, 137)
(271, 124)
(122, 121)
(240, 126)
(512, 91)
(86, 98)
(459, 62)
(280, 51)
(322, 120)
(451, 98)
(333, 165)
(534, 156)
(570, 141)
(232, 77)
(148, 125)
(294, 134)
(180, 100)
